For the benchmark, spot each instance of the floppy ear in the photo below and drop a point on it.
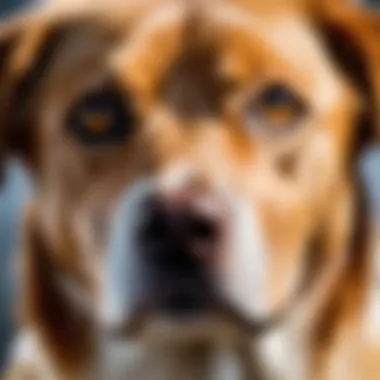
(8, 40)
(352, 35)
(24, 54)
(30, 47)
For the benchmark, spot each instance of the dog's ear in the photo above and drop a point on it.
(9, 35)
(25, 51)
(352, 36)
(33, 45)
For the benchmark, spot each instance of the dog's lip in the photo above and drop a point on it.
(223, 309)
(177, 306)
(218, 309)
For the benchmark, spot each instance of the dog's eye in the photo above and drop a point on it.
(101, 117)
(275, 109)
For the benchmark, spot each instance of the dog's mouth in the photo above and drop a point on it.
(181, 303)
(161, 276)
(185, 307)
(184, 303)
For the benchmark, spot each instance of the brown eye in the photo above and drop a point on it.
(275, 110)
(102, 117)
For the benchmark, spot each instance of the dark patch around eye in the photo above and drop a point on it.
(276, 109)
(277, 96)
(102, 117)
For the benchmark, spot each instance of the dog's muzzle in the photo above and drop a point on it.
(179, 242)
(162, 254)
(164, 261)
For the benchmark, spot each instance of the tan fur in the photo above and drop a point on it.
(299, 187)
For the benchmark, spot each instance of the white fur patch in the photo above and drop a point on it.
(224, 366)
(282, 355)
(244, 279)
(122, 282)
(27, 351)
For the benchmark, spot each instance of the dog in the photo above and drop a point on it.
(198, 210)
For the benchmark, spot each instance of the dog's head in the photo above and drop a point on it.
(193, 163)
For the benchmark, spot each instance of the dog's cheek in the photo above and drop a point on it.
(245, 262)
(288, 233)
(321, 166)
(122, 271)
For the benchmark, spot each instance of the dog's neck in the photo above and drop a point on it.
(133, 362)
(279, 354)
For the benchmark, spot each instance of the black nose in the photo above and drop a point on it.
(178, 235)
(179, 240)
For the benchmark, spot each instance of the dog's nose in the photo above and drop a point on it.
(179, 241)
(181, 230)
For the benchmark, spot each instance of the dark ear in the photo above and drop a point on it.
(8, 40)
(32, 46)
(352, 36)
(24, 55)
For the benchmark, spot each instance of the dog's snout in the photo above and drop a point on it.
(179, 239)
(184, 224)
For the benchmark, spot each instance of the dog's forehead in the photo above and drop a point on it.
(248, 43)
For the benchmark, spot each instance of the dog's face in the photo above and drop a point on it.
(187, 157)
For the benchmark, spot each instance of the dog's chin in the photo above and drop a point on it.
(191, 329)
(209, 323)
(169, 330)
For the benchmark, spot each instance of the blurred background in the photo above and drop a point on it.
(17, 187)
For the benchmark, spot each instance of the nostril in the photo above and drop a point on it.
(202, 229)
(153, 227)
(178, 234)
